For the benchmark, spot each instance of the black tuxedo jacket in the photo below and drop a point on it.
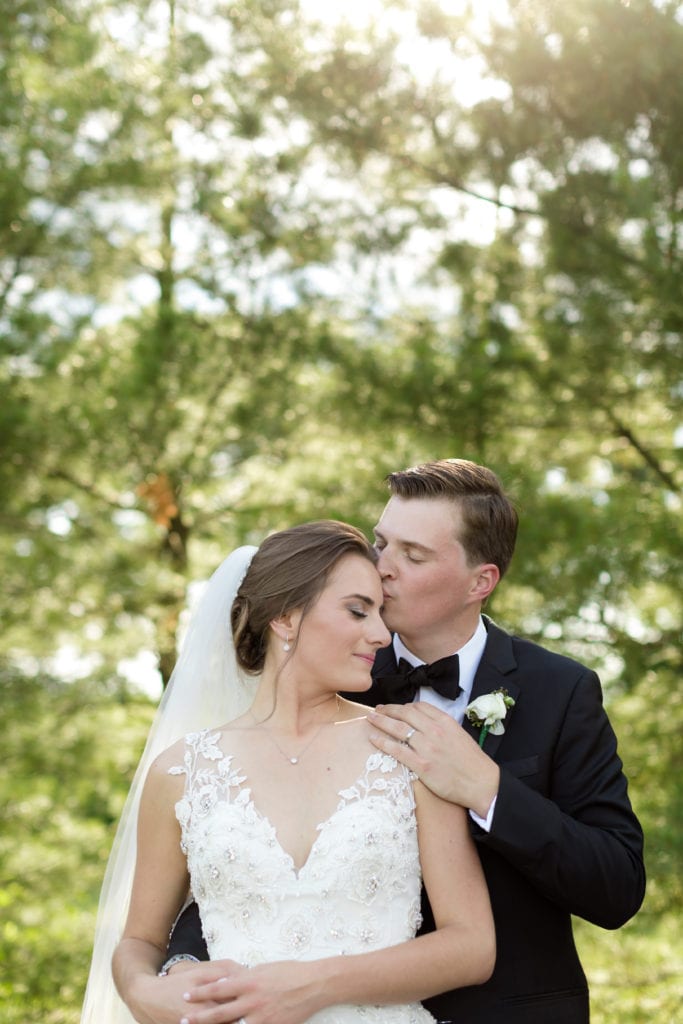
(564, 839)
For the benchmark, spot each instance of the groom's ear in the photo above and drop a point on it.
(485, 581)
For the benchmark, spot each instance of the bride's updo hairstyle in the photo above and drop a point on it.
(287, 573)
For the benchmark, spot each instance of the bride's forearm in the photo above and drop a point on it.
(450, 958)
(292, 991)
(134, 966)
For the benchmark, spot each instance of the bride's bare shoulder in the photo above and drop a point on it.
(170, 757)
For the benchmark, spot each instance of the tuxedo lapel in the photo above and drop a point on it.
(497, 664)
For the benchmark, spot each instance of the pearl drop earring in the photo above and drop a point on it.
(285, 646)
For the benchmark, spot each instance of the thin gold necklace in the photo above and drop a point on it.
(293, 759)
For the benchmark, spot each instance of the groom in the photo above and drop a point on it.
(544, 785)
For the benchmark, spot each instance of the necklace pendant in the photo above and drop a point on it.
(294, 760)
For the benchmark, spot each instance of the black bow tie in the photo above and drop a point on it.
(441, 675)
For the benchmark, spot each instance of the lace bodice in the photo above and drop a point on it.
(358, 890)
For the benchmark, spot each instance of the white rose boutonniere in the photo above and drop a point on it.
(488, 711)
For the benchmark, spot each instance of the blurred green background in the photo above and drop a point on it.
(255, 255)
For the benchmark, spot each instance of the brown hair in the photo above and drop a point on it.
(289, 571)
(489, 519)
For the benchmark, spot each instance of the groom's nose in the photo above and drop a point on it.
(385, 564)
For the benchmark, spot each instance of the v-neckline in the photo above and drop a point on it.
(342, 803)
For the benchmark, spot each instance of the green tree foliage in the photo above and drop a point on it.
(559, 359)
(252, 258)
(71, 752)
(550, 349)
(147, 354)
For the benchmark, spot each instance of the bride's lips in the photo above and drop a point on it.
(370, 658)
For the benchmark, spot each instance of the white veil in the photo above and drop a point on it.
(206, 689)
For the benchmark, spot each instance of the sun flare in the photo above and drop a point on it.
(425, 57)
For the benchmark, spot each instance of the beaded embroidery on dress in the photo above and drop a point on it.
(359, 889)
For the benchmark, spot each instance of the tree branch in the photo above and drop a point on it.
(623, 431)
(86, 488)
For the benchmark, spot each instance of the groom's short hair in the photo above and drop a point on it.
(489, 519)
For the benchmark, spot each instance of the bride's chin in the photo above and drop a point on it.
(358, 686)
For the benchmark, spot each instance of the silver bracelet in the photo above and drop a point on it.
(173, 960)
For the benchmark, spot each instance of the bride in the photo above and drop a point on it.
(304, 847)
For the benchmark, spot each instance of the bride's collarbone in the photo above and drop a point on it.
(278, 767)
(328, 738)
(331, 749)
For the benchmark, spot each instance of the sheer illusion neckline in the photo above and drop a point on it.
(344, 797)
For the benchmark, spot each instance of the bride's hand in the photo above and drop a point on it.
(286, 992)
(155, 1000)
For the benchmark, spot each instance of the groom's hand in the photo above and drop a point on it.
(446, 758)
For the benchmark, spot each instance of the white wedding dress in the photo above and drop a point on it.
(358, 891)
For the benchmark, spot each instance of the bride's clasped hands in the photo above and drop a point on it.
(223, 991)
(286, 992)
